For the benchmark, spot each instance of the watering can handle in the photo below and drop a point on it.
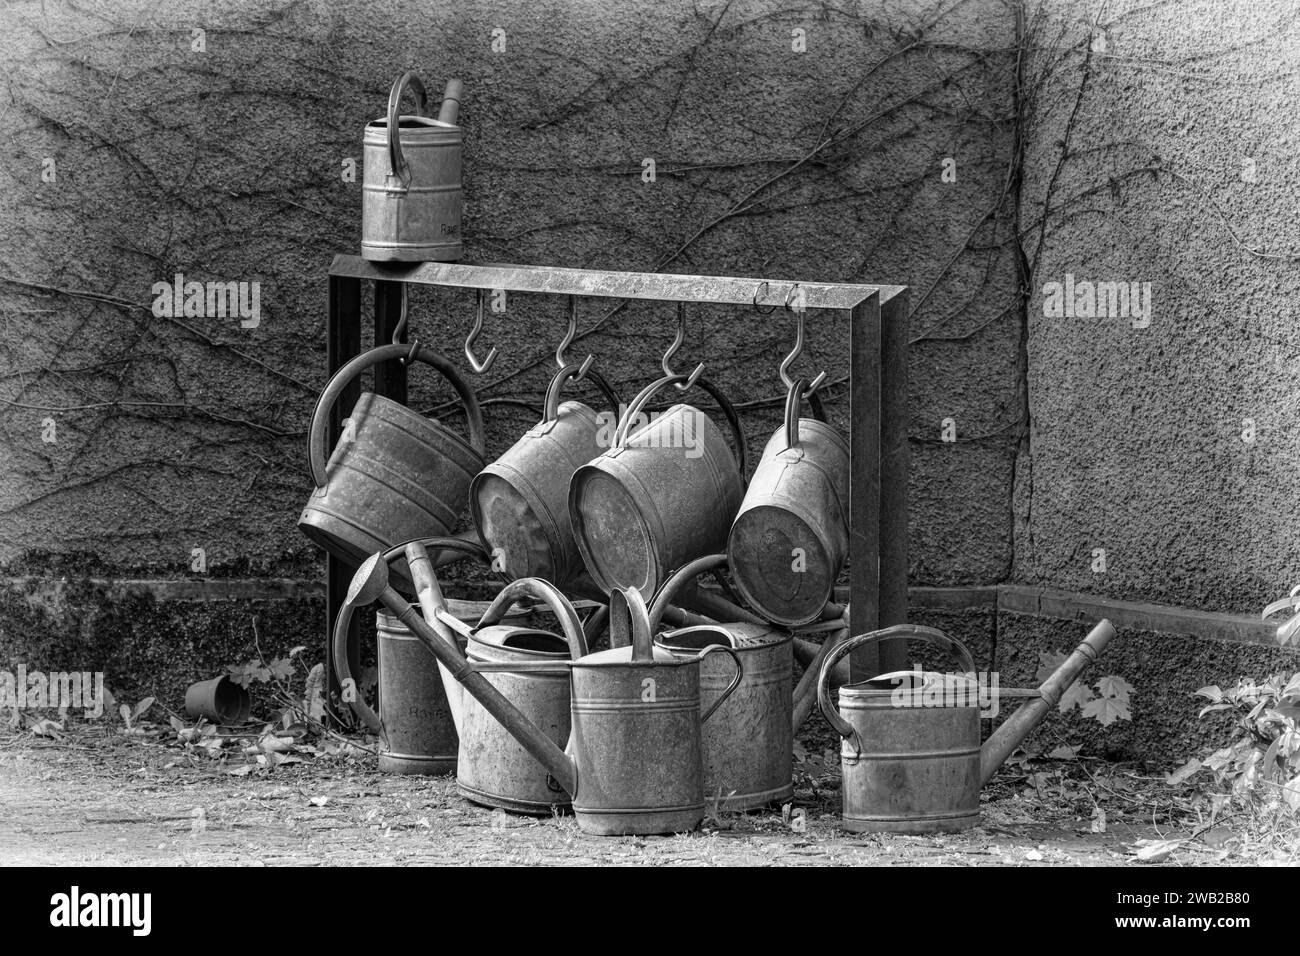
(383, 353)
(343, 624)
(552, 404)
(396, 161)
(842, 726)
(735, 681)
(794, 406)
(678, 580)
(629, 623)
(549, 595)
(728, 410)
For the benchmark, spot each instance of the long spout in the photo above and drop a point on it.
(1016, 728)
(370, 583)
(429, 593)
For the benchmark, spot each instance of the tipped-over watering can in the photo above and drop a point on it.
(520, 502)
(632, 764)
(662, 495)
(394, 474)
(910, 753)
(749, 743)
(415, 723)
(791, 537)
(411, 181)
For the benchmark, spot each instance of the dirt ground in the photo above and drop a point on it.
(98, 796)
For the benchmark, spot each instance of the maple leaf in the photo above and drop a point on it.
(281, 668)
(1077, 695)
(1049, 661)
(1107, 710)
(1112, 686)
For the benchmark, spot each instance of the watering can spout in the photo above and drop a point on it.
(1013, 731)
(370, 583)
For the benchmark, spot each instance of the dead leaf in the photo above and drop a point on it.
(1184, 772)
(47, 728)
(1107, 710)
(242, 771)
(1153, 851)
(1066, 753)
(1033, 856)
(1098, 820)
(141, 708)
(319, 801)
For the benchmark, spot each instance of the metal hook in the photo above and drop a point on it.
(474, 333)
(400, 329)
(793, 357)
(565, 342)
(677, 344)
(762, 290)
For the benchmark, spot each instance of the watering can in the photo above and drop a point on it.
(660, 496)
(912, 767)
(520, 501)
(411, 180)
(749, 744)
(791, 537)
(394, 475)
(632, 764)
(415, 720)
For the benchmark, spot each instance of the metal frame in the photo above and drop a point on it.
(878, 413)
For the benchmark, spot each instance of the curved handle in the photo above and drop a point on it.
(679, 579)
(383, 353)
(396, 161)
(627, 613)
(728, 411)
(343, 624)
(549, 595)
(794, 408)
(572, 372)
(735, 681)
(934, 636)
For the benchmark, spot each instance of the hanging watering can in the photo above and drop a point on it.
(912, 761)
(520, 501)
(662, 495)
(495, 769)
(632, 764)
(748, 745)
(394, 475)
(411, 192)
(791, 537)
(415, 720)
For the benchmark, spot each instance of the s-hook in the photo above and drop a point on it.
(677, 344)
(400, 329)
(565, 342)
(474, 363)
(790, 359)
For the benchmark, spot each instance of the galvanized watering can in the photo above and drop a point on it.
(791, 537)
(912, 767)
(520, 501)
(660, 496)
(415, 720)
(749, 744)
(394, 475)
(411, 193)
(633, 763)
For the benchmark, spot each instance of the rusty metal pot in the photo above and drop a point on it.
(790, 540)
(749, 744)
(411, 181)
(910, 766)
(633, 763)
(520, 501)
(415, 722)
(495, 769)
(663, 495)
(394, 475)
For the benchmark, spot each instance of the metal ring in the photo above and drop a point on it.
(760, 291)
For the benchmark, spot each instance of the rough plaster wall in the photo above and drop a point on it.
(225, 165)
(1137, 143)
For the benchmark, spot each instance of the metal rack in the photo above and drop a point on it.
(878, 414)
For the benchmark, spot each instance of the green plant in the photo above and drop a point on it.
(1107, 705)
(1264, 763)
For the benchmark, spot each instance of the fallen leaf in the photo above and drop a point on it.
(1076, 695)
(242, 771)
(1098, 820)
(1181, 775)
(1066, 753)
(319, 801)
(1112, 686)
(1107, 710)
(1033, 856)
(141, 707)
(1153, 851)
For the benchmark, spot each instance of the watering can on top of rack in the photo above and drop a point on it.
(791, 537)
(395, 474)
(910, 753)
(520, 501)
(661, 496)
(411, 189)
(632, 764)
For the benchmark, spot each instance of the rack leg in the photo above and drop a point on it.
(342, 342)
(390, 377)
(865, 414)
(893, 477)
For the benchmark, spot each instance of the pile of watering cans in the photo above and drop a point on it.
(669, 695)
